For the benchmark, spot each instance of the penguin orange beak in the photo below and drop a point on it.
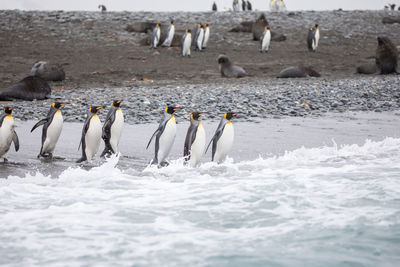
(175, 109)
(202, 114)
(99, 108)
(234, 114)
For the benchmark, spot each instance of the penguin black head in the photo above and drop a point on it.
(116, 103)
(57, 105)
(94, 109)
(8, 110)
(171, 110)
(196, 115)
(230, 115)
(206, 25)
(201, 26)
(171, 21)
(188, 30)
(316, 26)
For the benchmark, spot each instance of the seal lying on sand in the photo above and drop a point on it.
(386, 56)
(29, 88)
(48, 72)
(298, 72)
(229, 70)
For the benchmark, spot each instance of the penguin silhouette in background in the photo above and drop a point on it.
(165, 137)
(7, 133)
(313, 38)
(52, 126)
(214, 7)
(222, 140)
(195, 141)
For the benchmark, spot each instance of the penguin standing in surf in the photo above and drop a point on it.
(165, 136)
(206, 36)
(112, 129)
(52, 126)
(195, 141)
(313, 38)
(265, 40)
(222, 140)
(169, 34)
(198, 38)
(91, 135)
(7, 133)
(186, 43)
(155, 37)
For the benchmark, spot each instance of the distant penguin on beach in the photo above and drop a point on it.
(195, 141)
(249, 6)
(222, 140)
(186, 43)
(7, 133)
(112, 129)
(199, 37)
(313, 38)
(281, 6)
(206, 36)
(214, 7)
(155, 37)
(102, 8)
(91, 135)
(235, 5)
(228, 69)
(165, 137)
(265, 40)
(52, 126)
(169, 35)
(244, 5)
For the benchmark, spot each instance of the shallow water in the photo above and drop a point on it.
(322, 205)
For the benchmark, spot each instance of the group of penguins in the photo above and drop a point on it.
(201, 37)
(391, 7)
(93, 131)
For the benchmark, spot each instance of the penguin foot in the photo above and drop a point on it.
(163, 164)
(5, 160)
(80, 160)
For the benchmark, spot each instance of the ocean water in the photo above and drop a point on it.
(334, 205)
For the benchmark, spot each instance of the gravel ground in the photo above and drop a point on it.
(256, 100)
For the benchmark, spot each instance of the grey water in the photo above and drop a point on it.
(294, 192)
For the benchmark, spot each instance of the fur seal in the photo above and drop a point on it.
(258, 27)
(48, 72)
(366, 69)
(29, 88)
(386, 56)
(229, 70)
(298, 72)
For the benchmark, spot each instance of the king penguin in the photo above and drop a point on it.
(186, 43)
(112, 129)
(198, 38)
(91, 135)
(7, 133)
(223, 138)
(195, 141)
(169, 34)
(206, 36)
(155, 37)
(165, 136)
(313, 38)
(265, 40)
(52, 126)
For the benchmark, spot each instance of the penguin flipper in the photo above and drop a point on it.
(40, 123)
(152, 137)
(15, 140)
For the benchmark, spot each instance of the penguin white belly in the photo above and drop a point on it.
(6, 136)
(166, 141)
(53, 133)
(200, 39)
(224, 143)
(316, 38)
(197, 148)
(186, 46)
(170, 36)
(116, 130)
(93, 137)
(206, 37)
(266, 41)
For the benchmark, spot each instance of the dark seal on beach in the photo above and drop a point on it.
(258, 27)
(386, 56)
(229, 70)
(367, 69)
(29, 88)
(48, 72)
(298, 72)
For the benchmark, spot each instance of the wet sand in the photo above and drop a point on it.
(263, 138)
